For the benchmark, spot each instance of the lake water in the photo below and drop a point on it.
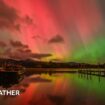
(58, 89)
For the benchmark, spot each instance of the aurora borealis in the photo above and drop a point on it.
(69, 30)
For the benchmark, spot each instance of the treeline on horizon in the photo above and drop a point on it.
(40, 64)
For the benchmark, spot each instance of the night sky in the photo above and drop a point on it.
(65, 30)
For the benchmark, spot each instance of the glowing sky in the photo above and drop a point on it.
(68, 29)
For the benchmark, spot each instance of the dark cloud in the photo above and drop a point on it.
(8, 15)
(18, 50)
(17, 54)
(39, 56)
(18, 44)
(56, 39)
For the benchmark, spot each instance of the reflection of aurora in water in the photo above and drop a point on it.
(68, 89)
(95, 84)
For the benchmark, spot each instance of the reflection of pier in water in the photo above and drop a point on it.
(82, 71)
(88, 73)
(95, 72)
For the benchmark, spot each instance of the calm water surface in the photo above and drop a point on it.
(58, 89)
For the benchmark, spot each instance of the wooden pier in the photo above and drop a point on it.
(95, 72)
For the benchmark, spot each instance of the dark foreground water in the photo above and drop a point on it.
(58, 89)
